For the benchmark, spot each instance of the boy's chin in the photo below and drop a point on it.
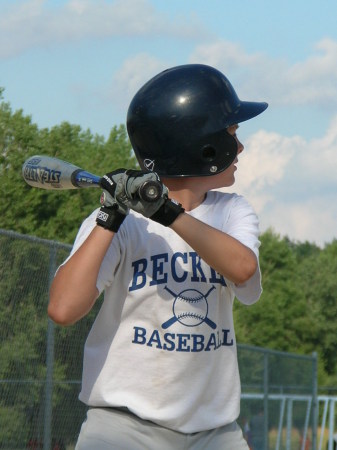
(229, 183)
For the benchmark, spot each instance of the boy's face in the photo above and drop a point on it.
(227, 178)
(232, 130)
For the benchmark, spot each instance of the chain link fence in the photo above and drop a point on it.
(41, 366)
(279, 398)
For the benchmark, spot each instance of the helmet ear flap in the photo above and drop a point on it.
(218, 154)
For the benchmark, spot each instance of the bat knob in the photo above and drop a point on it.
(150, 191)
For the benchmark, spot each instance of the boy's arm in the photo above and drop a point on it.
(73, 291)
(240, 262)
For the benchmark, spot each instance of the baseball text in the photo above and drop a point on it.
(182, 342)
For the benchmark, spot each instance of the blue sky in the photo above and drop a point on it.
(83, 60)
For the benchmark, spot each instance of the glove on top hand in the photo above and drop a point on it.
(125, 188)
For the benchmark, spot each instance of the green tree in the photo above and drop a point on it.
(25, 271)
(297, 311)
(22, 328)
(281, 319)
(319, 285)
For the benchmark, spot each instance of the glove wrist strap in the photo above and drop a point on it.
(109, 218)
(167, 213)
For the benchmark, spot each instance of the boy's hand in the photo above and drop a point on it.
(112, 214)
(126, 187)
(163, 210)
(132, 197)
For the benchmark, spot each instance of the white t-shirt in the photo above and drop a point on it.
(163, 343)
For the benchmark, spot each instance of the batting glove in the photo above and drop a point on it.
(112, 214)
(162, 209)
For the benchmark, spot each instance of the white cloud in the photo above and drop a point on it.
(262, 165)
(319, 161)
(34, 23)
(134, 72)
(308, 82)
(313, 81)
(312, 220)
(266, 160)
(222, 54)
(292, 183)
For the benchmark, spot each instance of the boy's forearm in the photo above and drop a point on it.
(73, 291)
(223, 253)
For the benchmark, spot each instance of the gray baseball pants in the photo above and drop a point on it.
(110, 428)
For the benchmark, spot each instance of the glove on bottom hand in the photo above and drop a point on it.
(124, 188)
(110, 218)
(111, 215)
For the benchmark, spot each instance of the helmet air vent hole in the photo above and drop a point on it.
(208, 153)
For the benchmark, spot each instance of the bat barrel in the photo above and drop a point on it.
(46, 172)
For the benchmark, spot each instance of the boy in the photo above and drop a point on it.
(160, 366)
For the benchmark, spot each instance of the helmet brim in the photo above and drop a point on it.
(246, 111)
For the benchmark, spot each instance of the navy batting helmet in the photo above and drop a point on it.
(177, 121)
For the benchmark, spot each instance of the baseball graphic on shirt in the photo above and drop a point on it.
(190, 308)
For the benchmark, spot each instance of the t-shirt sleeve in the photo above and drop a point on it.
(111, 259)
(243, 225)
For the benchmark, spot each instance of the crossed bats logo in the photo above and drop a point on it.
(190, 308)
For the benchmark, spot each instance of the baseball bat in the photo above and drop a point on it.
(46, 172)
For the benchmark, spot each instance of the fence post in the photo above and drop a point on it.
(265, 400)
(315, 400)
(48, 410)
(289, 423)
(331, 423)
